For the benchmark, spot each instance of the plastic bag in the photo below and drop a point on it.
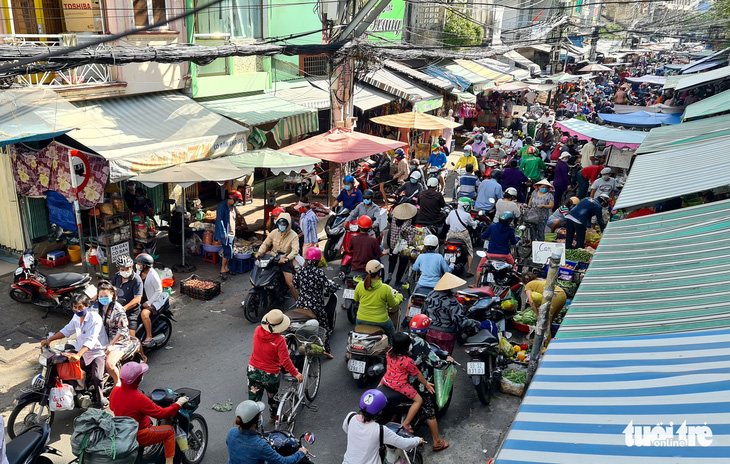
(443, 380)
(62, 397)
(400, 246)
(70, 371)
(192, 245)
(505, 347)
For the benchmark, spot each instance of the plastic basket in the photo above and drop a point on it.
(197, 293)
(55, 262)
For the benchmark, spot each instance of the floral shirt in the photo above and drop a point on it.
(115, 321)
(405, 230)
(312, 282)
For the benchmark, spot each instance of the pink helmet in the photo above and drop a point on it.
(314, 254)
(564, 139)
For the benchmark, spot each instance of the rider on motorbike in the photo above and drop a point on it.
(116, 326)
(375, 297)
(154, 297)
(286, 240)
(446, 313)
(410, 188)
(312, 283)
(349, 196)
(245, 446)
(128, 401)
(468, 183)
(458, 220)
(430, 203)
(466, 159)
(365, 247)
(130, 289)
(430, 264)
(438, 159)
(367, 208)
(401, 228)
(489, 192)
(500, 236)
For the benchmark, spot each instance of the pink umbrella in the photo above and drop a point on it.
(342, 145)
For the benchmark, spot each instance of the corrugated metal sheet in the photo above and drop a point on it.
(716, 104)
(495, 76)
(310, 93)
(437, 82)
(402, 87)
(11, 228)
(672, 81)
(33, 114)
(37, 216)
(695, 80)
(504, 68)
(688, 135)
(366, 97)
(656, 274)
(659, 176)
(522, 61)
(256, 110)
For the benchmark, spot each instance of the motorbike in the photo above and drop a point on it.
(398, 455)
(32, 407)
(348, 295)
(437, 228)
(367, 346)
(502, 278)
(346, 248)
(335, 230)
(483, 348)
(47, 291)
(284, 443)
(191, 437)
(161, 328)
(268, 287)
(300, 316)
(309, 180)
(29, 446)
(456, 254)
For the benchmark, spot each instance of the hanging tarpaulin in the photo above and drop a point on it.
(292, 126)
(257, 138)
(36, 171)
(60, 211)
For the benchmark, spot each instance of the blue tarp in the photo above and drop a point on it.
(60, 210)
(458, 81)
(641, 118)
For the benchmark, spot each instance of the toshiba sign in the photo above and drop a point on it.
(82, 16)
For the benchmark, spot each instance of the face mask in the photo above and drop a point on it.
(261, 421)
(105, 300)
(413, 168)
(606, 177)
(543, 190)
(140, 198)
(282, 228)
(347, 187)
(81, 313)
(139, 267)
(367, 202)
(413, 181)
(126, 274)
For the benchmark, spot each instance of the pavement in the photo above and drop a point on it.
(209, 351)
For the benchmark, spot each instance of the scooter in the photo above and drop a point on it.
(483, 348)
(367, 346)
(29, 446)
(268, 287)
(47, 291)
(284, 443)
(348, 295)
(300, 316)
(455, 253)
(335, 230)
(502, 278)
(161, 328)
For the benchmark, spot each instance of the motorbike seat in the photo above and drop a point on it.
(393, 397)
(455, 241)
(480, 338)
(369, 329)
(478, 292)
(66, 279)
(300, 315)
(20, 448)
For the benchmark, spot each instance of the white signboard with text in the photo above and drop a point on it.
(541, 252)
(119, 250)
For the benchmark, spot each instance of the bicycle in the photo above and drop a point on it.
(307, 342)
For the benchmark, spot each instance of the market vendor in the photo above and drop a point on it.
(142, 204)
(533, 284)
(129, 194)
(225, 228)
(349, 196)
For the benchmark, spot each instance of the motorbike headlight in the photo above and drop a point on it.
(42, 360)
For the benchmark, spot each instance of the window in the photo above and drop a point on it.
(313, 65)
(148, 12)
(240, 18)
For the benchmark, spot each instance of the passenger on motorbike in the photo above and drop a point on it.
(349, 196)
(415, 166)
(401, 228)
(458, 221)
(508, 203)
(466, 159)
(500, 236)
(286, 240)
(130, 289)
(430, 264)
(468, 183)
(479, 147)
(246, 446)
(91, 340)
(369, 209)
(532, 165)
(430, 204)
(116, 326)
(312, 283)
(375, 297)
(269, 356)
(410, 189)
(489, 192)
(446, 313)
(130, 402)
(363, 433)
(438, 159)
(154, 297)
(365, 247)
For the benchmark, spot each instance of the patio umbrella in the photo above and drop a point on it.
(279, 161)
(187, 174)
(341, 145)
(594, 67)
(413, 120)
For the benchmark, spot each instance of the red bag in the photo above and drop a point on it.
(70, 371)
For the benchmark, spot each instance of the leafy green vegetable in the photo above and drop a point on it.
(515, 376)
(578, 256)
(527, 317)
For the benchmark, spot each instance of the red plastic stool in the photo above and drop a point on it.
(210, 257)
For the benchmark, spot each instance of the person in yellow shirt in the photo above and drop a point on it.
(532, 284)
(466, 158)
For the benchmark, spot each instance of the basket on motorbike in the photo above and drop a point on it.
(193, 397)
(195, 287)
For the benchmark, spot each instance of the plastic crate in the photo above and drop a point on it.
(55, 262)
(207, 294)
(564, 273)
(54, 255)
(239, 265)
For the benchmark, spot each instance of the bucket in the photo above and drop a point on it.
(74, 252)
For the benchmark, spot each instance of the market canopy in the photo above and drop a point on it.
(143, 133)
(313, 93)
(504, 68)
(277, 161)
(594, 67)
(716, 104)
(484, 71)
(437, 82)
(565, 77)
(341, 145)
(187, 174)
(659, 176)
(696, 80)
(641, 118)
(422, 98)
(650, 80)
(617, 137)
(413, 120)
(33, 114)
(460, 76)
(686, 135)
(711, 60)
(441, 73)
(520, 60)
(672, 82)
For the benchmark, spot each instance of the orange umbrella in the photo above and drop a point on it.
(342, 145)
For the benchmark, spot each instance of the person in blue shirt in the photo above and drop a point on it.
(246, 446)
(489, 192)
(501, 236)
(349, 196)
(142, 204)
(225, 228)
(438, 160)
(431, 265)
(578, 220)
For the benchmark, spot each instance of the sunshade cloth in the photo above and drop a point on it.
(437, 82)
(651, 80)
(687, 135)
(422, 98)
(504, 68)
(144, 133)
(641, 118)
(696, 66)
(32, 114)
(484, 71)
(716, 104)
(366, 97)
(695, 80)
(413, 120)
(662, 175)
(658, 108)
(441, 73)
(564, 77)
(533, 68)
(277, 161)
(617, 137)
(594, 67)
(342, 145)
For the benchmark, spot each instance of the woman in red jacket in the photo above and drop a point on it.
(270, 354)
(128, 401)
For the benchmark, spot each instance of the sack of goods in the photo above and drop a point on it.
(100, 438)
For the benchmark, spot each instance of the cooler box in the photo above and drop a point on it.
(54, 255)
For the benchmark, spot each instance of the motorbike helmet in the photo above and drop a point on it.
(604, 199)
(506, 217)
(531, 150)
(277, 211)
(465, 203)
(132, 371)
(368, 193)
(373, 401)
(416, 175)
(400, 153)
(495, 174)
(479, 137)
(124, 261)
(349, 179)
(467, 148)
(431, 240)
(314, 254)
(419, 323)
(432, 182)
(145, 259)
(249, 410)
(571, 99)
(364, 222)
(528, 140)
(563, 139)
(282, 222)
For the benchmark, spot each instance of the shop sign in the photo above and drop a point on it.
(121, 249)
(388, 26)
(82, 15)
(542, 251)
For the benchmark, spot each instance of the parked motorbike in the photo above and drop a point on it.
(161, 328)
(284, 443)
(268, 287)
(335, 230)
(29, 446)
(47, 291)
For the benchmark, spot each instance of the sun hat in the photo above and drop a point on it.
(605, 171)
(449, 281)
(574, 200)
(405, 211)
(563, 155)
(275, 321)
(544, 182)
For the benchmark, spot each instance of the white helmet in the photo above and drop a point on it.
(467, 148)
(248, 410)
(432, 182)
(431, 240)
(416, 175)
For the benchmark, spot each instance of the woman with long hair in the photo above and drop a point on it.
(375, 297)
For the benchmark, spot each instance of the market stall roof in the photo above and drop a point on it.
(422, 98)
(484, 71)
(696, 66)
(342, 145)
(441, 73)
(716, 104)
(413, 120)
(716, 58)
(187, 174)
(521, 85)
(617, 137)
(478, 82)
(504, 68)
(651, 80)
(662, 175)
(32, 114)
(437, 82)
(278, 161)
(313, 93)
(695, 80)
(144, 133)
(658, 108)
(687, 135)
(565, 77)
(587, 392)
(515, 56)
(594, 67)
(641, 119)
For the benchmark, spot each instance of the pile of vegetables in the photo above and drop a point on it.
(578, 256)
(200, 284)
(569, 287)
(558, 319)
(513, 375)
(527, 317)
(592, 236)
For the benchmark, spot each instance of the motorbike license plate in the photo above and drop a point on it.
(490, 278)
(475, 368)
(348, 294)
(449, 257)
(414, 311)
(357, 367)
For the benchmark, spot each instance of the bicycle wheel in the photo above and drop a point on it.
(313, 378)
(286, 414)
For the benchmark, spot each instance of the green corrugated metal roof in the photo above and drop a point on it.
(685, 135)
(664, 273)
(256, 110)
(716, 104)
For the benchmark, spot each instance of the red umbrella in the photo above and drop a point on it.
(342, 145)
